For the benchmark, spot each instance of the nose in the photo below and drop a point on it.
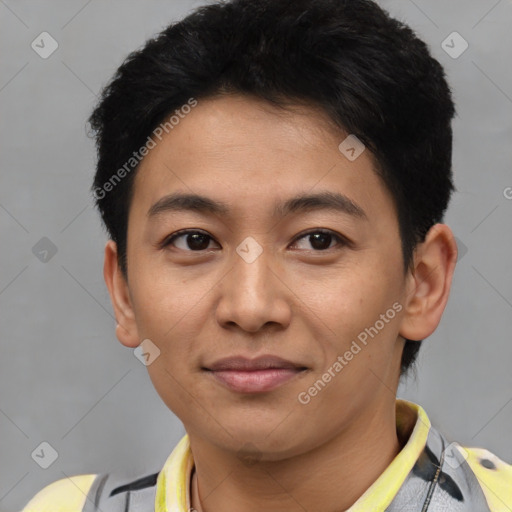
(253, 294)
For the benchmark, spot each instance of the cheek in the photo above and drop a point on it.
(360, 308)
(175, 389)
(164, 298)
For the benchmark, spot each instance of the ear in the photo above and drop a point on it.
(428, 283)
(126, 328)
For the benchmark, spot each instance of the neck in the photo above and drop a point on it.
(329, 478)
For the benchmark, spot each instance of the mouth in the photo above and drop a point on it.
(258, 375)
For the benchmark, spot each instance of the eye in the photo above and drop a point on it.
(193, 240)
(321, 239)
(196, 241)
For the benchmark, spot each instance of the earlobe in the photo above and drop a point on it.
(126, 328)
(429, 283)
(126, 337)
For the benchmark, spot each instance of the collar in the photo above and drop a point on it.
(173, 483)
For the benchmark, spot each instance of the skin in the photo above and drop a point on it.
(268, 451)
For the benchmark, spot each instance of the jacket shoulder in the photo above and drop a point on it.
(494, 476)
(65, 495)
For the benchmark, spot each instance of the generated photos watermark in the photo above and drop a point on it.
(304, 397)
(171, 122)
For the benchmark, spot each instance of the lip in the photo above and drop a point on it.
(258, 375)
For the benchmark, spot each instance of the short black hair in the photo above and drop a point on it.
(367, 71)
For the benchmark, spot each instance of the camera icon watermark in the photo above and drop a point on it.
(454, 45)
(45, 455)
(351, 147)
(249, 454)
(44, 45)
(462, 248)
(44, 250)
(147, 352)
(455, 455)
(249, 250)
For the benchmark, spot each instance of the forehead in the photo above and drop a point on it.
(239, 148)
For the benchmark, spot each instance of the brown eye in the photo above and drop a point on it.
(189, 240)
(321, 240)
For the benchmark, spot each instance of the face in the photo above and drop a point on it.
(305, 295)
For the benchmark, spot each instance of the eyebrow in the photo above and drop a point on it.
(325, 200)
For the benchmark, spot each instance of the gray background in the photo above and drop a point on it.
(66, 380)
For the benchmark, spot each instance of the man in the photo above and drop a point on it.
(273, 176)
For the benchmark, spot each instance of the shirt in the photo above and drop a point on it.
(428, 474)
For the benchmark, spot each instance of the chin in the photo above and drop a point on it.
(260, 443)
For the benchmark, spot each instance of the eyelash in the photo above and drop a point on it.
(341, 241)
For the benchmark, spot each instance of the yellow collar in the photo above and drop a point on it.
(173, 483)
